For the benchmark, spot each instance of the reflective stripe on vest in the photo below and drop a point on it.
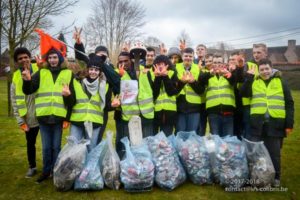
(251, 65)
(188, 91)
(19, 95)
(49, 100)
(86, 109)
(164, 101)
(268, 98)
(219, 92)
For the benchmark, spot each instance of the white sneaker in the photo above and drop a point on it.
(31, 172)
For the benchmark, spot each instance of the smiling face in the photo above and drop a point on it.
(23, 60)
(150, 57)
(187, 59)
(93, 72)
(124, 60)
(265, 71)
(53, 60)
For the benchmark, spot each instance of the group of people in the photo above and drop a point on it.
(178, 90)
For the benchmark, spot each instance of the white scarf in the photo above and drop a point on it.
(95, 87)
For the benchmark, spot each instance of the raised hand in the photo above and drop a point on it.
(182, 44)
(251, 71)
(66, 90)
(39, 61)
(76, 35)
(200, 65)
(162, 49)
(156, 70)
(116, 102)
(121, 70)
(191, 78)
(185, 77)
(26, 74)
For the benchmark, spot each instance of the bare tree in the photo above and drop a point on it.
(113, 22)
(152, 41)
(183, 36)
(21, 17)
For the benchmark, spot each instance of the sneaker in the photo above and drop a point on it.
(42, 178)
(276, 183)
(31, 172)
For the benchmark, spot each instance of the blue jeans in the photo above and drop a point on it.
(51, 142)
(80, 133)
(187, 122)
(220, 125)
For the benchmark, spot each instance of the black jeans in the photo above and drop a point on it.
(31, 140)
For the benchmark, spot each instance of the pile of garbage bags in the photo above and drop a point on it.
(137, 169)
(169, 172)
(167, 161)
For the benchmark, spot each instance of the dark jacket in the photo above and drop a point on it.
(112, 76)
(220, 109)
(276, 126)
(32, 86)
(170, 84)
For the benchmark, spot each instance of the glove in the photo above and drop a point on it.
(66, 124)
(24, 127)
(288, 131)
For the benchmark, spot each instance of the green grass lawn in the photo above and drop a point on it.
(13, 166)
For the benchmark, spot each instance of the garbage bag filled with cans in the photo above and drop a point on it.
(262, 172)
(169, 172)
(216, 148)
(90, 177)
(194, 157)
(110, 165)
(234, 167)
(69, 163)
(137, 169)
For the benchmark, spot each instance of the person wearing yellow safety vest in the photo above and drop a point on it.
(164, 95)
(23, 105)
(142, 105)
(236, 60)
(272, 110)
(53, 87)
(188, 100)
(220, 99)
(90, 97)
(259, 52)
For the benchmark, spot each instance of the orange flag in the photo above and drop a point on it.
(47, 42)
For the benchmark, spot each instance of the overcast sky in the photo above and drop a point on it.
(210, 21)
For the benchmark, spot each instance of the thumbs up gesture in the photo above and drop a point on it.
(66, 90)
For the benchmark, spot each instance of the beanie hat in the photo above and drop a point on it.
(174, 51)
(101, 48)
(95, 61)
